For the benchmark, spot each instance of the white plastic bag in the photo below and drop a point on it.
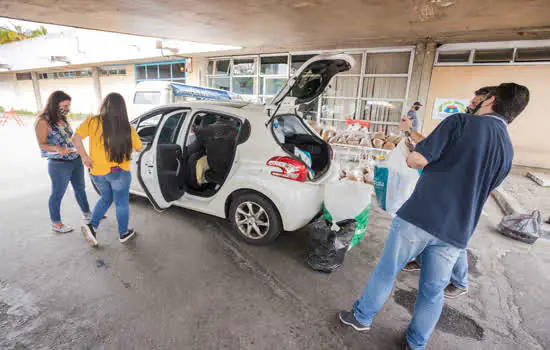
(345, 200)
(394, 181)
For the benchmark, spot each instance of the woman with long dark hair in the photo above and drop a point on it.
(54, 135)
(112, 140)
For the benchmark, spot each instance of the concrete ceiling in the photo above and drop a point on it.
(280, 25)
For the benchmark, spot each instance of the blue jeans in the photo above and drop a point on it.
(405, 242)
(113, 186)
(61, 173)
(459, 276)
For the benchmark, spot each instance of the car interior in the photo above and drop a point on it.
(291, 133)
(209, 151)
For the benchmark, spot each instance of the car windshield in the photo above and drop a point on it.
(147, 98)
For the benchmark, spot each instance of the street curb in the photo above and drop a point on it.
(508, 203)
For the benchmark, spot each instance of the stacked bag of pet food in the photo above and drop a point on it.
(341, 226)
(394, 181)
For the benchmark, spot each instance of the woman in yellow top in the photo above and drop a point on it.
(112, 140)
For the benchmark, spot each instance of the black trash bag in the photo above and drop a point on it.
(326, 249)
(521, 227)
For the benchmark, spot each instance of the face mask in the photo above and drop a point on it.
(63, 111)
(475, 110)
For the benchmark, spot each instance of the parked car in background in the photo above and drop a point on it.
(151, 94)
(262, 168)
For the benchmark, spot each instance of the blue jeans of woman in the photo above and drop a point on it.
(114, 186)
(405, 242)
(61, 173)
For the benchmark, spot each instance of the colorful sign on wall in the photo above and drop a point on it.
(444, 107)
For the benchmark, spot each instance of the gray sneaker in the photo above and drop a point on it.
(347, 318)
(62, 229)
(412, 266)
(452, 291)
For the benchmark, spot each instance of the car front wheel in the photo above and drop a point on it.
(255, 219)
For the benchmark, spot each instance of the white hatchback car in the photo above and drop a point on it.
(265, 166)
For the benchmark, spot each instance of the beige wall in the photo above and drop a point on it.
(123, 84)
(16, 94)
(81, 91)
(19, 94)
(530, 132)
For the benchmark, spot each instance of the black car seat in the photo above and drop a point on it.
(220, 139)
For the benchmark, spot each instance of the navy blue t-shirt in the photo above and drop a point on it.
(468, 157)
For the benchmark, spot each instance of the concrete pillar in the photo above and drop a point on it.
(199, 69)
(421, 76)
(36, 88)
(97, 86)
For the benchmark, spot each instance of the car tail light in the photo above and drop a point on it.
(332, 155)
(288, 168)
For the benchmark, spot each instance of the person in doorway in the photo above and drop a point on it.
(412, 115)
(463, 160)
(112, 140)
(54, 135)
(459, 277)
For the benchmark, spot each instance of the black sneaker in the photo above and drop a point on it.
(412, 266)
(127, 236)
(90, 235)
(452, 291)
(347, 318)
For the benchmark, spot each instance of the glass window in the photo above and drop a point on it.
(152, 72)
(23, 76)
(272, 85)
(147, 98)
(219, 83)
(244, 66)
(297, 61)
(147, 127)
(453, 56)
(276, 65)
(342, 86)
(493, 56)
(243, 86)
(171, 129)
(333, 108)
(388, 63)
(541, 54)
(222, 67)
(178, 70)
(210, 67)
(358, 62)
(385, 87)
(382, 111)
(164, 71)
(140, 73)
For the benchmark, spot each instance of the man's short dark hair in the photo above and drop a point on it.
(486, 90)
(510, 100)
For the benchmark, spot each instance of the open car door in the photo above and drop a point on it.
(160, 164)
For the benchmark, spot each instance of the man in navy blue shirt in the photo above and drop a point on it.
(465, 158)
(459, 278)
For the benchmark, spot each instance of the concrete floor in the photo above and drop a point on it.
(187, 283)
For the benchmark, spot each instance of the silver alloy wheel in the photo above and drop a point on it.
(252, 220)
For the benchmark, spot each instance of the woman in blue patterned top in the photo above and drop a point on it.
(54, 134)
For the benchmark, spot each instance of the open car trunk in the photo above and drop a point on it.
(290, 130)
(295, 138)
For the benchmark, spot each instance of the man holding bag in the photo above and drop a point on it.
(465, 158)
(459, 278)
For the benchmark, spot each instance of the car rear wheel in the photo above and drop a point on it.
(255, 219)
